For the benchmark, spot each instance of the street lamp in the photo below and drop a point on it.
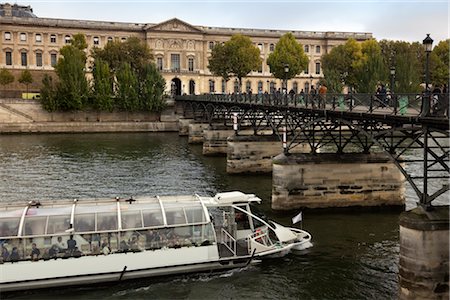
(428, 45)
(392, 79)
(286, 71)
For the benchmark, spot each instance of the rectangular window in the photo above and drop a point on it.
(318, 68)
(23, 37)
(271, 47)
(307, 70)
(260, 47)
(8, 58)
(159, 63)
(306, 48)
(23, 59)
(39, 59)
(38, 38)
(211, 86)
(191, 64)
(7, 36)
(53, 59)
(175, 62)
(53, 38)
(96, 41)
(317, 49)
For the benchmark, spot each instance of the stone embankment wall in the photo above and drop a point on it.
(18, 115)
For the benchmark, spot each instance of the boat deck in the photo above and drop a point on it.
(225, 252)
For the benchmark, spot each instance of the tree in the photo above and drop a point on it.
(339, 65)
(132, 51)
(102, 86)
(287, 51)
(72, 89)
(242, 58)
(48, 94)
(439, 63)
(370, 68)
(218, 62)
(26, 78)
(127, 88)
(152, 89)
(6, 77)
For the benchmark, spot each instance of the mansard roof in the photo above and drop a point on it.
(173, 24)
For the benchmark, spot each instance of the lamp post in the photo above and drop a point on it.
(286, 71)
(393, 102)
(428, 45)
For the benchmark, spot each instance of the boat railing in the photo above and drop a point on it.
(260, 241)
(228, 241)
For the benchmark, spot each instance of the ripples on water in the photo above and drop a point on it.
(355, 255)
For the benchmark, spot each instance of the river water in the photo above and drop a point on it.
(355, 254)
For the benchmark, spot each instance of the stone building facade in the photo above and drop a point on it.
(181, 50)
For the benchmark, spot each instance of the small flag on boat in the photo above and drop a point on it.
(297, 218)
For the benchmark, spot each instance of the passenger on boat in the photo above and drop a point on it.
(60, 244)
(124, 245)
(4, 252)
(35, 252)
(105, 248)
(71, 245)
(53, 251)
(15, 256)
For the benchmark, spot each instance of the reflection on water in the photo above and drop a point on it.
(354, 256)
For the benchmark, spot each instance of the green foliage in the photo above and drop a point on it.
(339, 65)
(287, 51)
(72, 89)
(26, 78)
(102, 86)
(6, 77)
(370, 69)
(439, 63)
(237, 58)
(48, 94)
(218, 62)
(127, 88)
(132, 51)
(152, 89)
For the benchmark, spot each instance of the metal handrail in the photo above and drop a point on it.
(229, 241)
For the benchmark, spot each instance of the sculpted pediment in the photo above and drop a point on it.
(174, 25)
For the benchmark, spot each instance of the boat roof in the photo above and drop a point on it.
(96, 215)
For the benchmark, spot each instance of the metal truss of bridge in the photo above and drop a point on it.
(412, 129)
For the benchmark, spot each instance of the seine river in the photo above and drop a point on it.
(355, 254)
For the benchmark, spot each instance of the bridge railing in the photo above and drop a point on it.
(396, 104)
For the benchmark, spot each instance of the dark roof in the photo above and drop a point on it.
(17, 11)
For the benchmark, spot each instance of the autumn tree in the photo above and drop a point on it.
(26, 78)
(6, 77)
(287, 52)
(242, 57)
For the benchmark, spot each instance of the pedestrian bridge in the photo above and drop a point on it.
(344, 123)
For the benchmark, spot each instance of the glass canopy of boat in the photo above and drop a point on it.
(36, 219)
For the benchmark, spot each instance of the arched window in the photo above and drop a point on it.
(224, 86)
(317, 49)
(271, 47)
(236, 86)
(67, 39)
(210, 45)
(110, 39)
(96, 40)
(248, 86)
(306, 87)
(260, 86)
(211, 86)
(191, 64)
(295, 87)
(261, 47)
(191, 87)
(317, 67)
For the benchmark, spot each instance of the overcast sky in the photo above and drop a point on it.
(386, 19)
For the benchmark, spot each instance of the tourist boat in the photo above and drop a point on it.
(63, 243)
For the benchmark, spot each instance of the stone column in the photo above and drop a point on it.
(424, 254)
(331, 180)
(183, 126)
(254, 154)
(215, 140)
(196, 132)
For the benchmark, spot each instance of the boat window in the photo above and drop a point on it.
(9, 226)
(34, 225)
(242, 220)
(131, 219)
(58, 224)
(175, 216)
(84, 222)
(152, 218)
(195, 215)
(106, 221)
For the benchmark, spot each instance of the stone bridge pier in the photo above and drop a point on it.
(322, 180)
